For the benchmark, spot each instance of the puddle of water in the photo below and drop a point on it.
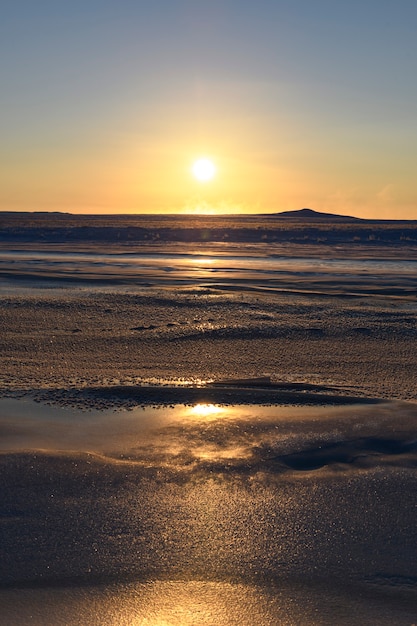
(205, 432)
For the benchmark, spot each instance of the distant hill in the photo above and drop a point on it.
(313, 216)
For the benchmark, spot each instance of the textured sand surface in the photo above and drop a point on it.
(67, 338)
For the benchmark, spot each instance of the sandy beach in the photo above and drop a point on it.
(208, 449)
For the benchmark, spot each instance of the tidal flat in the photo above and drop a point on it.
(211, 434)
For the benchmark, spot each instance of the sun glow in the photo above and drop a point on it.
(204, 170)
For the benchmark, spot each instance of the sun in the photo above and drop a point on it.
(204, 170)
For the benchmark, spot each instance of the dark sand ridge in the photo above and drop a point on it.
(218, 392)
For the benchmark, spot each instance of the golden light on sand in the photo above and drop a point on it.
(203, 170)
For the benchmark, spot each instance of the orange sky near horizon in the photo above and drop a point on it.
(105, 107)
(161, 181)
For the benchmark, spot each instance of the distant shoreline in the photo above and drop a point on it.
(292, 227)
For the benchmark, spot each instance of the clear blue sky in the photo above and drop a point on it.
(104, 105)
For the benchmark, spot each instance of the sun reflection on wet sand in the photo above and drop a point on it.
(204, 260)
(196, 603)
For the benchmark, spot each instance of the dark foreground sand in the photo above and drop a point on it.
(205, 515)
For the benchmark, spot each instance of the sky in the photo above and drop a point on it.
(105, 106)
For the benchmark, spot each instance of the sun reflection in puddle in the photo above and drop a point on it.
(212, 443)
(211, 411)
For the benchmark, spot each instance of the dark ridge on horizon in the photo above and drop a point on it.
(305, 215)
(311, 215)
(15, 213)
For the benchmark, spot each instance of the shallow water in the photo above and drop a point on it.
(261, 265)
(245, 437)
